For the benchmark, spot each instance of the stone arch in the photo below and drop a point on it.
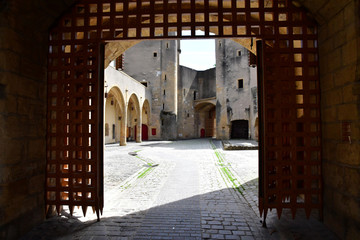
(205, 118)
(134, 118)
(116, 95)
(288, 59)
(146, 113)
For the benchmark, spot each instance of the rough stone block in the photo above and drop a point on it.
(326, 81)
(37, 148)
(339, 39)
(337, 173)
(349, 54)
(332, 97)
(348, 94)
(332, 7)
(328, 149)
(329, 115)
(332, 131)
(336, 24)
(10, 61)
(344, 75)
(334, 59)
(14, 151)
(352, 183)
(349, 13)
(348, 112)
(348, 154)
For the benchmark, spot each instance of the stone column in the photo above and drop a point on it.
(123, 127)
(139, 127)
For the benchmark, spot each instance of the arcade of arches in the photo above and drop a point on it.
(24, 31)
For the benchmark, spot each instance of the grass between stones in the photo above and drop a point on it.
(225, 170)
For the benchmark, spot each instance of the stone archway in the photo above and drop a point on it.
(289, 92)
(145, 120)
(134, 119)
(115, 109)
(205, 112)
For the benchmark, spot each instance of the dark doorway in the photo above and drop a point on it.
(240, 129)
(202, 133)
(144, 132)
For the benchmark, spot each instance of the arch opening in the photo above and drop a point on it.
(288, 60)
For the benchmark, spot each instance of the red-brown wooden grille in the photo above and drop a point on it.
(292, 148)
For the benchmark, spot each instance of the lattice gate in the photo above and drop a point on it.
(290, 146)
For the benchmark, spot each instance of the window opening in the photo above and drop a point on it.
(240, 83)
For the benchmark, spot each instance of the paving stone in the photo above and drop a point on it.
(184, 197)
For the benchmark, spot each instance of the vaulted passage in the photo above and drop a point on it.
(290, 175)
(55, 114)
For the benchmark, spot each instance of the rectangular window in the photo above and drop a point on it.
(163, 106)
(153, 131)
(113, 131)
(240, 83)
(239, 53)
(155, 54)
(164, 92)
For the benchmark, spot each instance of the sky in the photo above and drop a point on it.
(197, 54)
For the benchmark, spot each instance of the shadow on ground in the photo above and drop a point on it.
(189, 218)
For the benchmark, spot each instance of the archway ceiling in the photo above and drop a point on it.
(319, 10)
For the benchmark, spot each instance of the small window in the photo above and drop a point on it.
(167, 45)
(155, 54)
(144, 83)
(195, 95)
(164, 92)
(239, 53)
(184, 92)
(165, 77)
(240, 83)
(163, 106)
(162, 122)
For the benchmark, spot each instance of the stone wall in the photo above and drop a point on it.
(156, 63)
(233, 102)
(339, 49)
(23, 47)
(193, 85)
(23, 56)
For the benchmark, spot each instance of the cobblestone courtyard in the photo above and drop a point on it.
(189, 189)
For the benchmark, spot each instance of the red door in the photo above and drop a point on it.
(202, 133)
(144, 132)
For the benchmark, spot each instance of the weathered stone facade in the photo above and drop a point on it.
(186, 114)
(236, 89)
(24, 27)
(156, 62)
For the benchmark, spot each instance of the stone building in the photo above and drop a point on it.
(25, 27)
(186, 103)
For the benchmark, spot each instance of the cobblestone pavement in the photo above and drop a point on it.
(188, 189)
